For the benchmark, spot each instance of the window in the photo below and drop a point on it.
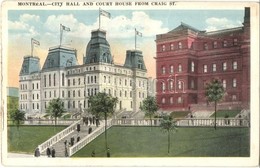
(192, 85)
(79, 81)
(125, 93)
(179, 68)
(33, 96)
(192, 66)
(235, 41)
(234, 82)
(172, 46)
(179, 45)
(68, 82)
(73, 93)
(74, 82)
(206, 46)
(73, 104)
(163, 47)
(234, 97)
(224, 66)
(54, 93)
(45, 94)
(49, 79)
(163, 86)
(171, 100)
(62, 93)
(225, 43)
(95, 79)
(130, 93)
(235, 65)
(109, 91)
(33, 86)
(68, 93)
(224, 83)
(95, 91)
(91, 79)
(78, 93)
(215, 44)
(62, 79)
(163, 69)
(179, 100)
(109, 79)
(37, 86)
(125, 82)
(54, 80)
(88, 80)
(214, 67)
(37, 96)
(163, 100)
(50, 94)
(179, 85)
(44, 80)
(171, 69)
(105, 79)
(205, 68)
(171, 85)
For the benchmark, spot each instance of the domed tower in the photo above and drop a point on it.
(98, 49)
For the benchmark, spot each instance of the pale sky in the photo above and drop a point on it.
(44, 25)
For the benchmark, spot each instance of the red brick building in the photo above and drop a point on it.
(188, 58)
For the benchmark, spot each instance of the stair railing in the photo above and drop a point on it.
(57, 137)
(90, 137)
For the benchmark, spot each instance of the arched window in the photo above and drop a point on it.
(62, 79)
(95, 79)
(49, 79)
(179, 68)
(172, 46)
(171, 69)
(234, 82)
(179, 45)
(163, 69)
(179, 100)
(54, 79)
(105, 79)
(235, 65)
(171, 85)
(224, 83)
(163, 86)
(192, 66)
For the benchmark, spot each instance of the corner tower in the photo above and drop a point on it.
(98, 49)
(134, 59)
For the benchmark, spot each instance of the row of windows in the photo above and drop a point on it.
(37, 86)
(205, 67)
(179, 45)
(171, 101)
(224, 67)
(180, 85)
(23, 86)
(23, 96)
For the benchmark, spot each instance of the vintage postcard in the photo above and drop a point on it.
(129, 83)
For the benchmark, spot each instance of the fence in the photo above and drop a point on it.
(46, 122)
(56, 138)
(89, 137)
(221, 122)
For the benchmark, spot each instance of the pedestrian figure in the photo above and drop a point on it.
(53, 152)
(90, 120)
(94, 119)
(78, 139)
(72, 141)
(87, 121)
(240, 120)
(97, 122)
(37, 152)
(66, 151)
(93, 153)
(89, 130)
(48, 152)
(78, 127)
(108, 152)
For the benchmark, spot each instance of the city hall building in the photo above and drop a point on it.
(187, 59)
(62, 77)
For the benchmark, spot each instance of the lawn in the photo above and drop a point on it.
(186, 142)
(222, 113)
(29, 137)
(179, 114)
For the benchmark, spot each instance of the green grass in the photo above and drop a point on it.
(27, 138)
(222, 113)
(186, 142)
(179, 114)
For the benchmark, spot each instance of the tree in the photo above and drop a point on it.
(102, 105)
(149, 106)
(55, 109)
(17, 116)
(168, 124)
(214, 93)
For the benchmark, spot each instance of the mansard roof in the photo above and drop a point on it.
(30, 65)
(98, 49)
(60, 56)
(134, 59)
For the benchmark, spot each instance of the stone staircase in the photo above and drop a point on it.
(202, 113)
(60, 146)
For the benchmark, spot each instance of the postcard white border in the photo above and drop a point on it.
(253, 160)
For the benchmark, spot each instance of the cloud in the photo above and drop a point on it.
(24, 26)
(117, 27)
(214, 23)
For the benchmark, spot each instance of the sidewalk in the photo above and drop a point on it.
(19, 155)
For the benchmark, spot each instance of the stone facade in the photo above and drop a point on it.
(62, 77)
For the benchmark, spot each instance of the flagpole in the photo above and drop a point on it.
(135, 38)
(99, 20)
(31, 47)
(60, 33)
